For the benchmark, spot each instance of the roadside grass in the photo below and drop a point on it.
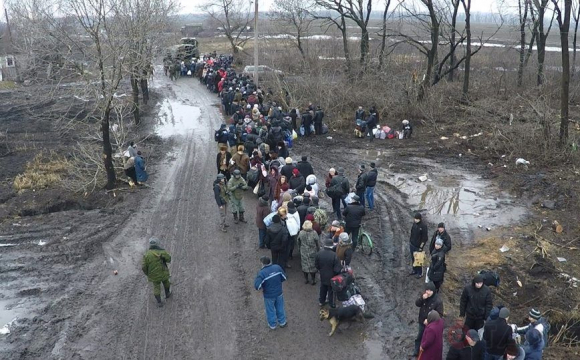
(7, 85)
(45, 170)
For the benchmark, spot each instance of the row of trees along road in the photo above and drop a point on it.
(99, 42)
(439, 18)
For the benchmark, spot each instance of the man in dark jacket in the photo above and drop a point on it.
(497, 335)
(303, 208)
(269, 280)
(328, 265)
(444, 236)
(318, 116)
(428, 301)
(221, 198)
(338, 188)
(353, 215)
(297, 182)
(417, 241)
(475, 304)
(469, 348)
(287, 169)
(361, 184)
(359, 114)
(306, 122)
(370, 189)
(304, 167)
(262, 210)
(371, 123)
(437, 267)
(276, 240)
(221, 136)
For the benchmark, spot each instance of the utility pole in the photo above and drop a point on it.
(256, 42)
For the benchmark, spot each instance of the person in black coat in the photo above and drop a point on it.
(294, 116)
(306, 122)
(443, 235)
(371, 123)
(297, 182)
(288, 168)
(437, 268)
(475, 304)
(497, 335)
(359, 114)
(277, 239)
(328, 265)
(304, 167)
(361, 184)
(339, 186)
(470, 347)
(417, 241)
(318, 116)
(303, 209)
(428, 301)
(371, 181)
(353, 215)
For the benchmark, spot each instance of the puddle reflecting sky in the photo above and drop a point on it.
(177, 118)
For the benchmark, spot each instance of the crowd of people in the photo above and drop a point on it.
(254, 154)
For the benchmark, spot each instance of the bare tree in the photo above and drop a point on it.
(452, 40)
(233, 17)
(523, 6)
(294, 18)
(541, 36)
(384, 34)
(563, 17)
(467, 9)
(338, 20)
(358, 11)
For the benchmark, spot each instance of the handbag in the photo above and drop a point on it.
(418, 259)
(256, 188)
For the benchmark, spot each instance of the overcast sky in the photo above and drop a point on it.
(192, 6)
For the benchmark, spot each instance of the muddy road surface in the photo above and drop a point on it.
(68, 304)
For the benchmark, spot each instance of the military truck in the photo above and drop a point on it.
(187, 50)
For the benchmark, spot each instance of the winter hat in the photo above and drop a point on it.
(285, 187)
(355, 198)
(306, 194)
(265, 260)
(307, 225)
(306, 200)
(328, 243)
(373, 165)
(361, 167)
(288, 160)
(430, 286)
(276, 219)
(291, 205)
(309, 217)
(504, 313)
(314, 200)
(340, 171)
(336, 223)
(304, 158)
(311, 210)
(473, 335)
(439, 241)
(478, 279)
(418, 216)
(154, 241)
(221, 176)
(441, 225)
(295, 172)
(535, 314)
(433, 316)
(344, 238)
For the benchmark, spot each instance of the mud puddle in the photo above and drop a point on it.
(177, 118)
(8, 312)
(462, 200)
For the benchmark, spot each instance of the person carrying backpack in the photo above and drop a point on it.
(536, 322)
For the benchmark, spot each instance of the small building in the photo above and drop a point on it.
(8, 68)
(191, 30)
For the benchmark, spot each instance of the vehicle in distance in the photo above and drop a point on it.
(263, 71)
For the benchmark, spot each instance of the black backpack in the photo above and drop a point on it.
(216, 136)
(490, 278)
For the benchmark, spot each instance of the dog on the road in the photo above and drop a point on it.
(338, 315)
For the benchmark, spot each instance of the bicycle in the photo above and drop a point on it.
(365, 242)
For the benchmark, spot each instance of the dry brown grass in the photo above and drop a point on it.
(45, 170)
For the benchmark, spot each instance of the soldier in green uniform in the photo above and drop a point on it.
(236, 185)
(154, 266)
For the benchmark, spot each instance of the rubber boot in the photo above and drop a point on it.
(167, 293)
(306, 278)
(313, 275)
(158, 298)
(242, 218)
(236, 218)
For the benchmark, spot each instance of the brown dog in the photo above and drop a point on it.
(335, 316)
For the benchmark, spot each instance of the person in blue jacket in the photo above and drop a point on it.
(269, 280)
(140, 168)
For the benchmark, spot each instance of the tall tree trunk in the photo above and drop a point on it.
(453, 58)
(384, 36)
(135, 97)
(541, 40)
(345, 42)
(565, 97)
(523, 19)
(364, 45)
(145, 86)
(299, 44)
(576, 20)
(431, 76)
(105, 121)
(467, 8)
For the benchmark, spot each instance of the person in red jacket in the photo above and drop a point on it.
(432, 342)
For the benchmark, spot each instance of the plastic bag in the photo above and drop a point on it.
(401, 135)
(427, 276)
(188, 72)
(294, 135)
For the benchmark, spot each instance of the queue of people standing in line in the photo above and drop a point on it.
(255, 151)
